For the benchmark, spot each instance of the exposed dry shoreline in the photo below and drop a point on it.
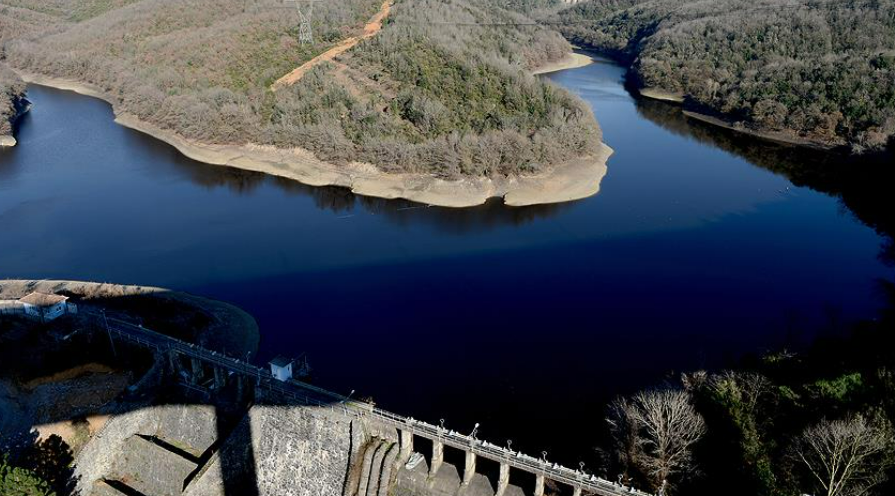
(778, 137)
(656, 93)
(8, 140)
(572, 180)
(662, 95)
(572, 60)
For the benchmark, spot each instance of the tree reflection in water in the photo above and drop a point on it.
(861, 183)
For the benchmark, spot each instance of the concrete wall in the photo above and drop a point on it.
(124, 449)
(272, 451)
(100, 454)
(288, 451)
(309, 454)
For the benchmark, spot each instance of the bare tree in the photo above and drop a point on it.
(847, 457)
(624, 433)
(655, 432)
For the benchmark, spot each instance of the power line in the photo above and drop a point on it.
(596, 20)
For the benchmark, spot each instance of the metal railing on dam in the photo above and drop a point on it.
(307, 394)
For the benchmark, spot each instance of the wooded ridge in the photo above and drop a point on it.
(822, 70)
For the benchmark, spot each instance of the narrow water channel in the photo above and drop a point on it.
(699, 249)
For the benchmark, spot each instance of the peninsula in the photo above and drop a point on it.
(384, 100)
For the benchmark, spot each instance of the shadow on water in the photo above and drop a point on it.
(861, 183)
(171, 163)
(491, 214)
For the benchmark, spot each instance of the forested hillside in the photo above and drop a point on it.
(461, 95)
(817, 69)
(420, 96)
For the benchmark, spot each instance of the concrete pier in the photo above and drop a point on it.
(195, 371)
(220, 378)
(539, 485)
(503, 480)
(406, 443)
(240, 386)
(174, 362)
(469, 468)
(437, 458)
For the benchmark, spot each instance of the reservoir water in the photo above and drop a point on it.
(699, 249)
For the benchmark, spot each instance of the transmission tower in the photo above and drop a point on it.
(305, 35)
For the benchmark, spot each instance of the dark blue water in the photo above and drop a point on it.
(525, 320)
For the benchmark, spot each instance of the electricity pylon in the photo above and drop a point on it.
(305, 35)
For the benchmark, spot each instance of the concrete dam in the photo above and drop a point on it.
(237, 430)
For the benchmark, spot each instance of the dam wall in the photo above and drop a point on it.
(271, 451)
(227, 427)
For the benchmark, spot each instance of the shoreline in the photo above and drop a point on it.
(22, 106)
(572, 60)
(572, 180)
(661, 95)
(777, 137)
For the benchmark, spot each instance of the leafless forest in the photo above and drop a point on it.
(821, 69)
(12, 91)
(421, 96)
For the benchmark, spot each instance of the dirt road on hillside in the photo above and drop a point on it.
(370, 29)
